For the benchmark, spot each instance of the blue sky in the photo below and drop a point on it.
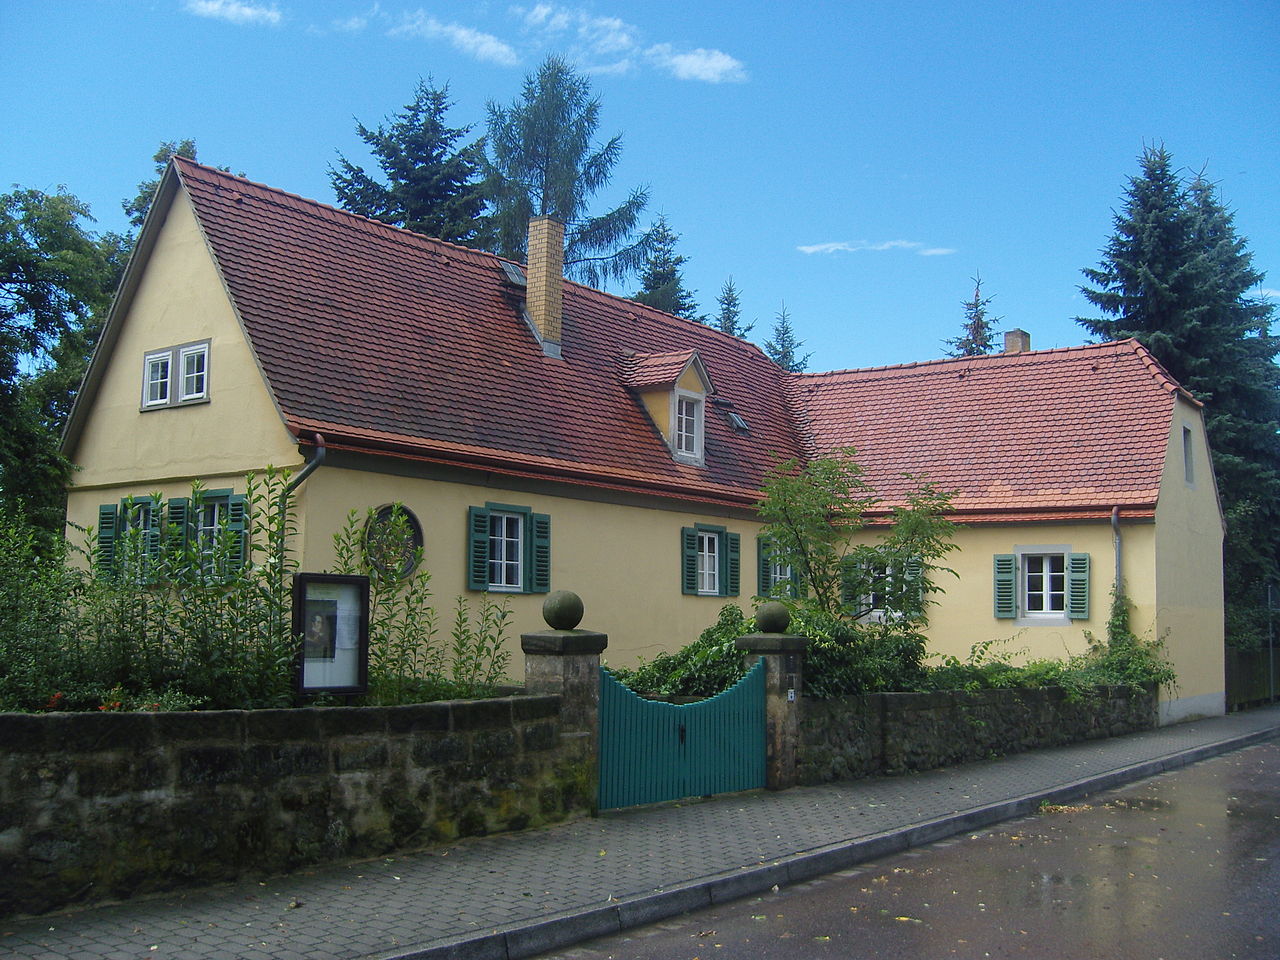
(859, 161)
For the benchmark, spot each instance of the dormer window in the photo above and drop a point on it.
(674, 389)
(688, 426)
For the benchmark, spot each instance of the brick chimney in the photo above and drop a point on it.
(1017, 341)
(544, 270)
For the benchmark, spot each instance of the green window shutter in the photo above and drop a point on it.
(237, 530)
(729, 583)
(688, 560)
(764, 567)
(180, 518)
(914, 572)
(1078, 586)
(477, 548)
(1005, 586)
(848, 584)
(540, 579)
(107, 518)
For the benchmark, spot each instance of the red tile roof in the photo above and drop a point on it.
(655, 369)
(387, 341)
(1051, 433)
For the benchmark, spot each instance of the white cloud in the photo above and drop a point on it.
(351, 24)
(612, 45)
(595, 36)
(482, 46)
(844, 246)
(1267, 292)
(712, 66)
(233, 11)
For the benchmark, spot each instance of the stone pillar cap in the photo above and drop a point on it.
(564, 641)
(771, 643)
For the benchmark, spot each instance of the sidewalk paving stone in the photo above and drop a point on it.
(517, 895)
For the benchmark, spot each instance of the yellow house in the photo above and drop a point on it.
(545, 435)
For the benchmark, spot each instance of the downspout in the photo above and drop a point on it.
(1115, 535)
(317, 458)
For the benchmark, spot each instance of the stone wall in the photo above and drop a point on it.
(105, 805)
(892, 733)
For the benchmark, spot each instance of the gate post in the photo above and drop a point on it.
(566, 661)
(783, 654)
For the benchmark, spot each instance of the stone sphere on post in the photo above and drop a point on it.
(562, 610)
(773, 617)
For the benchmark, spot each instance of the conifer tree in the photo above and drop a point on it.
(661, 282)
(137, 207)
(542, 163)
(1178, 277)
(975, 336)
(781, 348)
(433, 183)
(729, 319)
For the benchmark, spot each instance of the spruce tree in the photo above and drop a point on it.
(137, 207)
(730, 316)
(1177, 276)
(975, 337)
(782, 346)
(661, 282)
(433, 179)
(542, 163)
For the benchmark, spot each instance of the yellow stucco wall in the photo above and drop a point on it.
(1188, 586)
(122, 449)
(624, 561)
(965, 613)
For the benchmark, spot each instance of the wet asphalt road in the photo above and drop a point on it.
(1183, 866)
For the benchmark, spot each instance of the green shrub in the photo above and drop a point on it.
(703, 668)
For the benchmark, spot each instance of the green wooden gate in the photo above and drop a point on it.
(652, 751)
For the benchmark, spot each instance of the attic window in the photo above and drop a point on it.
(514, 275)
(736, 421)
(176, 376)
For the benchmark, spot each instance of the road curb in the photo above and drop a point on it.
(530, 938)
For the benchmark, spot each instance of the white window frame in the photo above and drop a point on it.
(153, 377)
(710, 543)
(1027, 616)
(173, 381)
(876, 614)
(200, 350)
(686, 444)
(510, 573)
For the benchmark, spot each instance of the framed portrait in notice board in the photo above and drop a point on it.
(331, 624)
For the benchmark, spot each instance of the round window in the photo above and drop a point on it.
(393, 540)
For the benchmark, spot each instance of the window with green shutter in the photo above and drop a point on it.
(508, 549)
(1041, 584)
(772, 573)
(710, 561)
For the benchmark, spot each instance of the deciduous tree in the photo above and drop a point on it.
(56, 281)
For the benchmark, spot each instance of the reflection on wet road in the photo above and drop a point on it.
(1184, 866)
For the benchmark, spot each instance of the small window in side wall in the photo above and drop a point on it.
(176, 376)
(508, 549)
(128, 536)
(710, 561)
(1041, 585)
(1188, 456)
